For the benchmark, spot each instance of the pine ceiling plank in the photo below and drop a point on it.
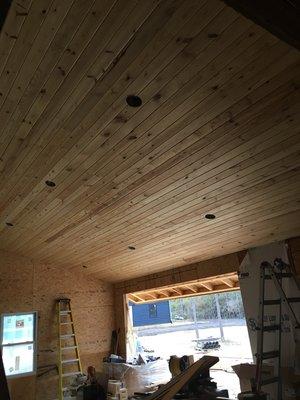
(274, 209)
(253, 189)
(230, 124)
(189, 227)
(131, 215)
(117, 18)
(91, 84)
(196, 233)
(259, 138)
(222, 221)
(45, 200)
(14, 20)
(241, 240)
(82, 37)
(25, 104)
(285, 163)
(39, 48)
(90, 160)
(236, 241)
(153, 238)
(37, 14)
(217, 132)
(151, 27)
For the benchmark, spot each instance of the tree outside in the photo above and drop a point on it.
(231, 306)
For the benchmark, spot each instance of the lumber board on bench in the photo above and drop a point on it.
(169, 390)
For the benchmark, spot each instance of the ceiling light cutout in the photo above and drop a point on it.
(50, 183)
(210, 216)
(133, 101)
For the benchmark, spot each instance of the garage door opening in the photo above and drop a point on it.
(208, 321)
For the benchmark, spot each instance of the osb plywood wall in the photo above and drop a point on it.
(27, 286)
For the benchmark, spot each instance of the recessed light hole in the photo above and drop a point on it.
(131, 247)
(133, 101)
(50, 183)
(210, 216)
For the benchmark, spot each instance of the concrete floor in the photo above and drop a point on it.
(234, 350)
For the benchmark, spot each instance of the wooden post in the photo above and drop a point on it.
(219, 316)
(194, 312)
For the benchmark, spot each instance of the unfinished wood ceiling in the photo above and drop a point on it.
(199, 287)
(88, 181)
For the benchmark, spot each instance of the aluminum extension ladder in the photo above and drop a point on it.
(276, 273)
(69, 364)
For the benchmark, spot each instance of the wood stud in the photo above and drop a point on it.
(210, 285)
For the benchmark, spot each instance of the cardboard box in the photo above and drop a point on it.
(246, 374)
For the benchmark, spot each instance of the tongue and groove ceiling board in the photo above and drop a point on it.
(217, 133)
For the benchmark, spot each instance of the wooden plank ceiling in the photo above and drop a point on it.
(88, 181)
(199, 287)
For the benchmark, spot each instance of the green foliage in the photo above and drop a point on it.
(231, 306)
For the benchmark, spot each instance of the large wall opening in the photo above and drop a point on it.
(204, 317)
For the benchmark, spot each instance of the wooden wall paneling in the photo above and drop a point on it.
(37, 287)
